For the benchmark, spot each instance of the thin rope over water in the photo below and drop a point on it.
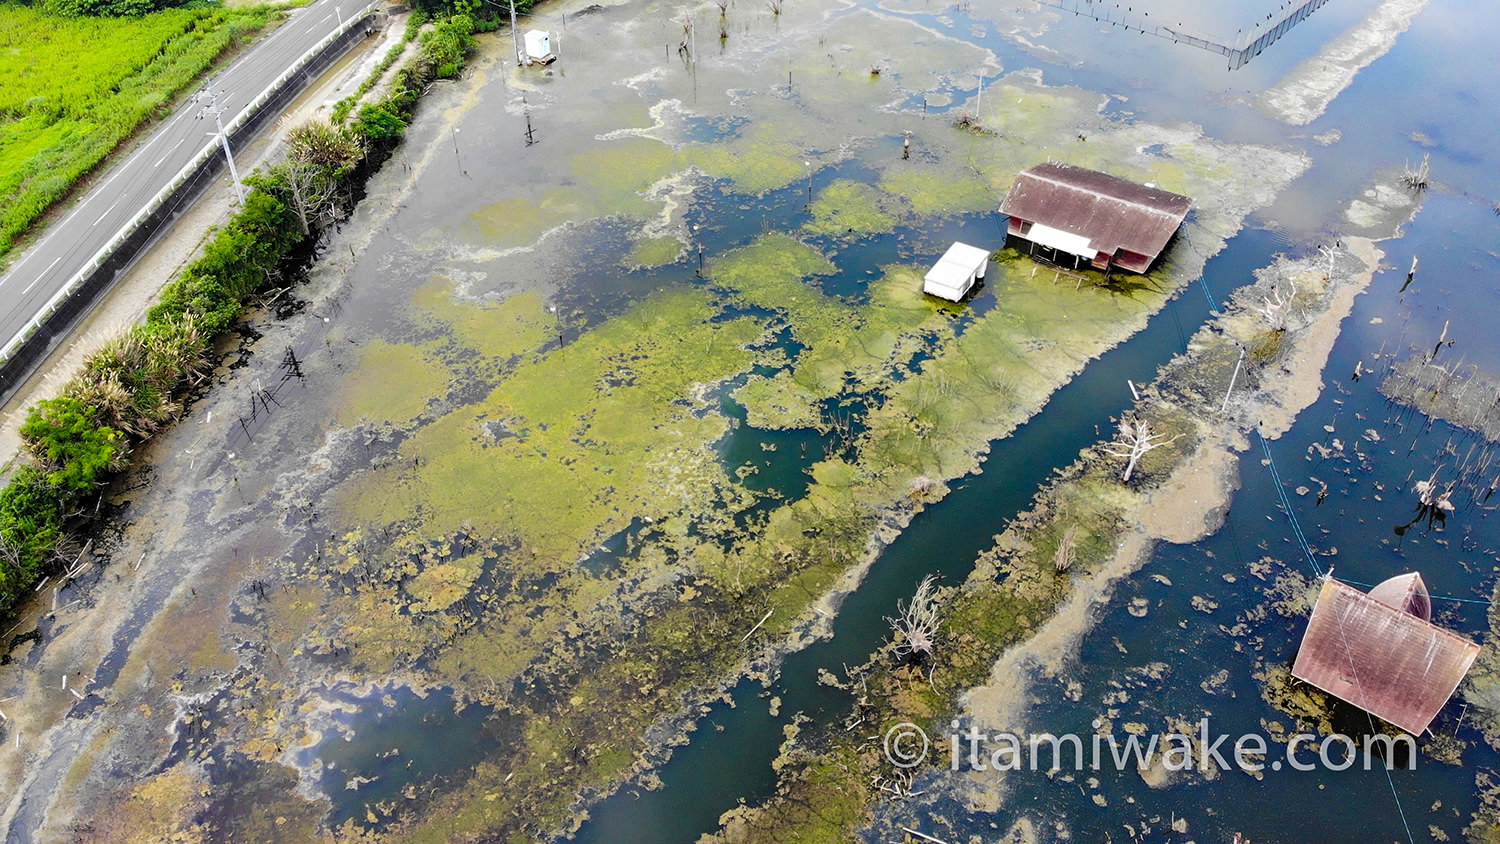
(1434, 597)
(1286, 505)
(1349, 653)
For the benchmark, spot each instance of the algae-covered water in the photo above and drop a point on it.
(619, 417)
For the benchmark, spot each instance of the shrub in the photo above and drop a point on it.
(75, 450)
(31, 519)
(334, 149)
(381, 122)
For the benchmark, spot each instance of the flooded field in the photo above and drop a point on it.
(616, 424)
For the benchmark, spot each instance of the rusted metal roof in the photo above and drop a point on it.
(1381, 657)
(1113, 213)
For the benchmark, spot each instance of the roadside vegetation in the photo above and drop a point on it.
(137, 382)
(74, 85)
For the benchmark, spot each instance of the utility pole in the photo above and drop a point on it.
(211, 108)
(515, 34)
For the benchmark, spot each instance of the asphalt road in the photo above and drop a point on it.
(128, 185)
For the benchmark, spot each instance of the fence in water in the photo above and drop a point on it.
(1239, 56)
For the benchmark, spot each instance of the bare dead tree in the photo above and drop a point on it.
(1277, 306)
(313, 194)
(1431, 498)
(897, 785)
(1133, 442)
(686, 46)
(1442, 341)
(1419, 177)
(10, 553)
(916, 627)
(921, 486)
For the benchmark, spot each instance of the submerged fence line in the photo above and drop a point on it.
(1238, 56)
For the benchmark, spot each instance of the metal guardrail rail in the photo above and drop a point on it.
(188, 177)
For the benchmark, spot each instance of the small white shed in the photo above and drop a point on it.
(956, 272)
(538, 45)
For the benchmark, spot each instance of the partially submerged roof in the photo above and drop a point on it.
(1380, 653)
(1113, 214)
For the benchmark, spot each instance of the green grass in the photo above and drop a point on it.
(71, 89)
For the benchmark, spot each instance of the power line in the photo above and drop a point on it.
(1349, 654)
(1286, 505)
(1436, 597)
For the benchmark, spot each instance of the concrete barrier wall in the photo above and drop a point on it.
(52, 326)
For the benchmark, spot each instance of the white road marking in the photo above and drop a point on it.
(106, 212)
(169, 152)
(281, 35)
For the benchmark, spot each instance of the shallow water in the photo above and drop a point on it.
(417, 504)
(1454, 233)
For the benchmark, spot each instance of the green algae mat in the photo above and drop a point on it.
(515, 487)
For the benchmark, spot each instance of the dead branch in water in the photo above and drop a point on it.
(1418, 179)
(916, 627)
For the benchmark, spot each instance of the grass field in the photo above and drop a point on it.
(71, 89)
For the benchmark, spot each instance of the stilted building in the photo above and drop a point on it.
(1381, 652)
(1091, 216)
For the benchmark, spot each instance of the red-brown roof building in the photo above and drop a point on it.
(1103, 219)
(1382, 653)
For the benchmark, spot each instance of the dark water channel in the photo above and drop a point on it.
(728, 759)
(1429, 95)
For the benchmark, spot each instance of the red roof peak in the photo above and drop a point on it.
(1407, 593)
